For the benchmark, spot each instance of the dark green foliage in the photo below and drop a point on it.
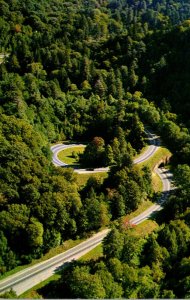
(134, 267)
(9, 295)
(94, 153)
(85, 285)
(127, 187)
(113, 244)
(75, 70)
(167, 71)
(41, 206)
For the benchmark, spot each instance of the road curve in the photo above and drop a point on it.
(166, 178)
(26, 279)
(58, 148)
(154, 142)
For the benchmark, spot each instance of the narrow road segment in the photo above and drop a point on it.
(166, 178)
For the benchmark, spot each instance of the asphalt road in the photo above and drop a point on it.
(26, 279)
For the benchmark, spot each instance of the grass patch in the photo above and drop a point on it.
(160, 154)
(145, 228)
(83, 178)
(67, 156)
(156, 183)
(94, 254)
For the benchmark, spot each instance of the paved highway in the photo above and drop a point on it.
(26, 279)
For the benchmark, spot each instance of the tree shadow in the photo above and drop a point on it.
(54, 288)
(73, 166)
(57, 289)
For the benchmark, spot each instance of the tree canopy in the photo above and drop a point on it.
(96, 71)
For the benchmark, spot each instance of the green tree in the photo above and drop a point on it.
(130, 281)
(94, 153)
(116, 268)
(147, 180)
(132, 250)
(85, 285)
(35, 233)
(10, 294)
(113, 244)
(109, 156)
(112, 288)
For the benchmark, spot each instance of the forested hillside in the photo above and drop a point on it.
(96, 71)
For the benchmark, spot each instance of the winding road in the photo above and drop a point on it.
(29, 277)
(154, 145)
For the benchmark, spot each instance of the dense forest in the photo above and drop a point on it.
(97, 71)
(155, 266)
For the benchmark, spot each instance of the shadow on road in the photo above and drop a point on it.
(56, 288)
